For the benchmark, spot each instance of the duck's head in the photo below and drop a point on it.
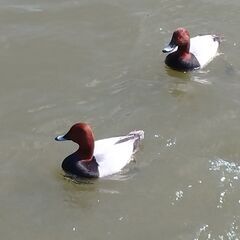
(180, 39)
(82, 134)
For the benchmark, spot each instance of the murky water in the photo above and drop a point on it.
(101, 62)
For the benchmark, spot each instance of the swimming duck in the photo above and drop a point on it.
(99, 158)
(189, 54)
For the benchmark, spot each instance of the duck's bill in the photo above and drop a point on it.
(169, 48)
(60, 138)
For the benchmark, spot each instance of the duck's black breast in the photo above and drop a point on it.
(86, 169)
(174, 61)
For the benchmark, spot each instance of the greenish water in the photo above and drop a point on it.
(101, 62)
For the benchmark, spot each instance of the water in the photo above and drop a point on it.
(101, 62)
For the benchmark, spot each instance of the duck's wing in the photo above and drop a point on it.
(204, 48)
(112, 154)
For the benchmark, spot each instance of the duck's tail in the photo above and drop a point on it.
(138, 135)
(218, 38)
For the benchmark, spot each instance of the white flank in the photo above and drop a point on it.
(113, 154)
(204, 48)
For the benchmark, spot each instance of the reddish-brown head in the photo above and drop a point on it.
(180, 38)
(81, 133)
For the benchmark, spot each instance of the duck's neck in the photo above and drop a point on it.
(85, 151)
(184, 50)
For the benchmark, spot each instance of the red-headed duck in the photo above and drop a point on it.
(189, 54)
(99, 158)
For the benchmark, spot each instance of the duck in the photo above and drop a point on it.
(187, 54)
(101, 158)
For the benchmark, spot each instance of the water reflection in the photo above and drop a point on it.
(183, 82)
(180, 83)
(78, 180)
(177, 74)
(81, 195)
(179, 88)
(86, 193)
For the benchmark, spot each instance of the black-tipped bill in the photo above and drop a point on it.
(169, 48)
(60, 138)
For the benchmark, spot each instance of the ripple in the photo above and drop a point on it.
(230, 233)
(202, 230)
(201, 80)
(228, 177)
(41, 108)
(224, 166)
(109, 191)
(179, 195)
(171, 142)
(124, 175)
(93, 83)
(27, 8)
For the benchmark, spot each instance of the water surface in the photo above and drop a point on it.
(101, 62)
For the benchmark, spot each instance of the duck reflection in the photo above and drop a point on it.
(181, 83)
